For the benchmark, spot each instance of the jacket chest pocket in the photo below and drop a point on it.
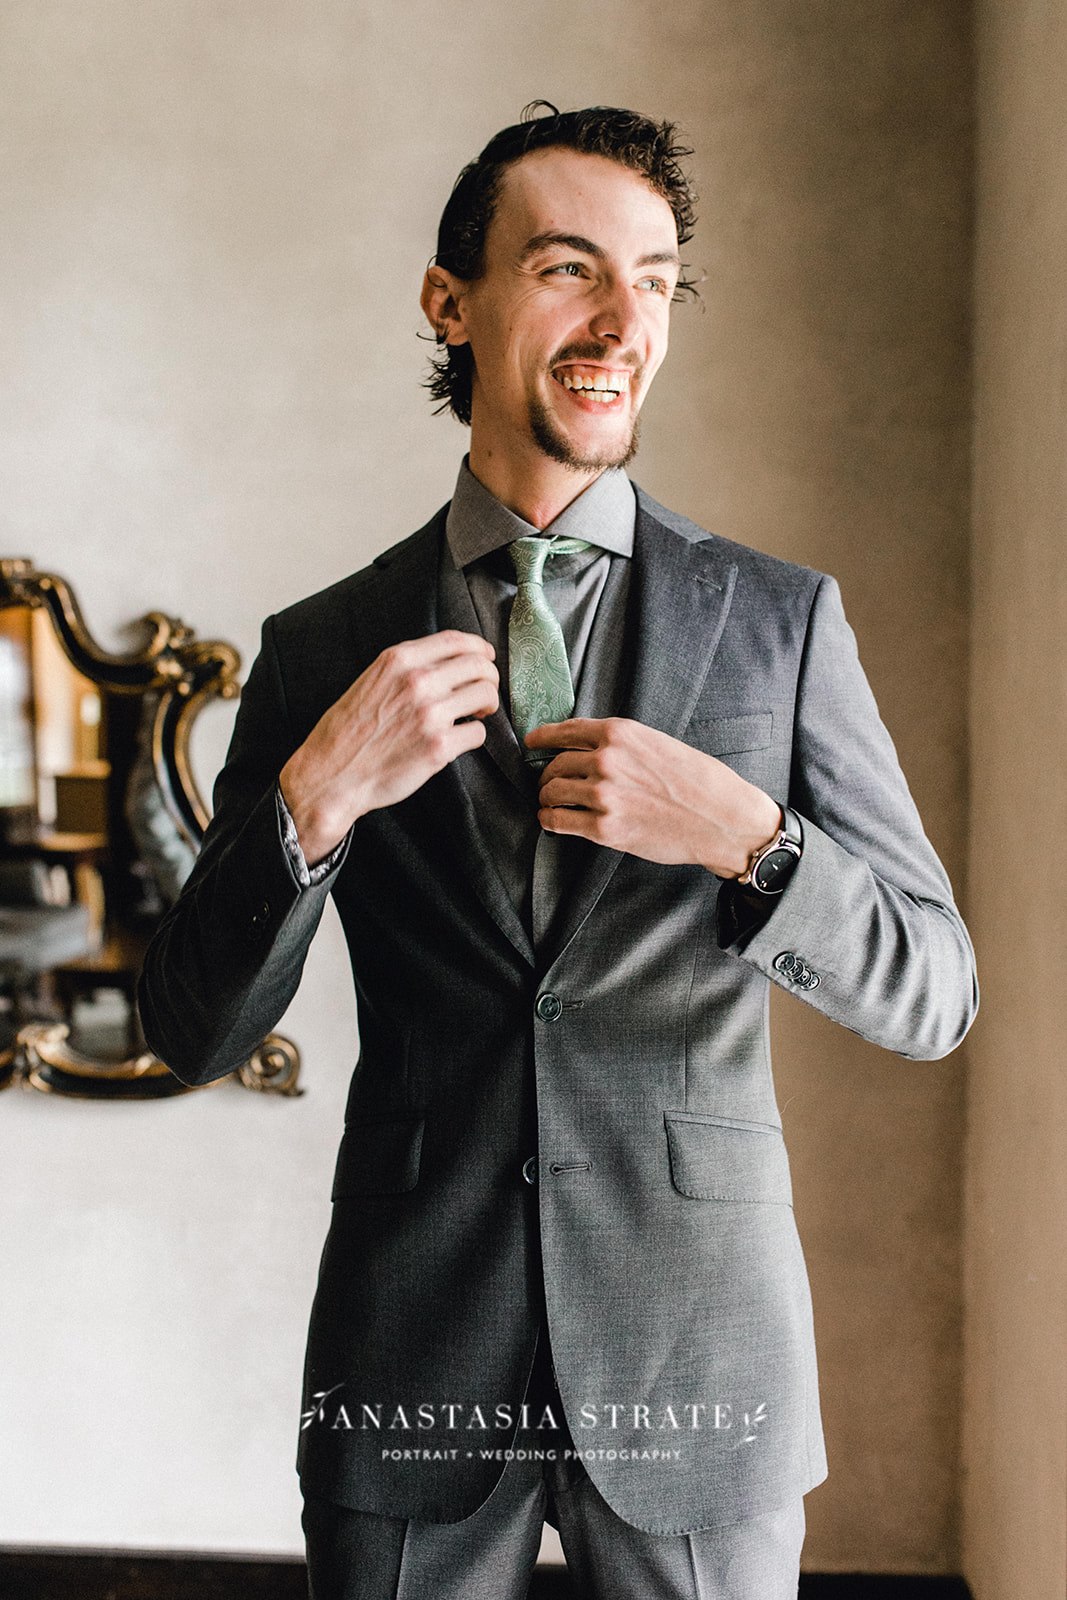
(719, 1158)
(742, 742)
(379, 1156)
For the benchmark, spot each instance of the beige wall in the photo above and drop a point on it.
(1015, 1428)
(216, 219)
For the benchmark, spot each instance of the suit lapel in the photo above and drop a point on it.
(456, 610)
(400, 601)
(680, 592)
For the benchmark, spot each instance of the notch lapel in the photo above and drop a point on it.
(680, 593)
(456, 610)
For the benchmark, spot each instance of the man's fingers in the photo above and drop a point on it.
(568, 792)
(467, 668)
(577, 733)
(465, 736)
(568, 764)
(563, 819)
(435, 683)
(472, 700)
(440, 646)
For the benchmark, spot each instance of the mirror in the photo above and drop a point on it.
(101, 820)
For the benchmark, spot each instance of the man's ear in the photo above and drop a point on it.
(441, 300)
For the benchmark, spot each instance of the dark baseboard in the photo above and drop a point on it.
(43, 1575)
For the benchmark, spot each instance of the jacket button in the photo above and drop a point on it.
(262, 915)
(529, 1169)
(549, 1007)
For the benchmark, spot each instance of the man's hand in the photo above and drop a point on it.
(394, 727)
(621, 784)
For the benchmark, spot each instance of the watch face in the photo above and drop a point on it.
(774, 871)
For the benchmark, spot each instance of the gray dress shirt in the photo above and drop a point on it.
(479, 529)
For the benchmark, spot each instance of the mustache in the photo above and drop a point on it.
(601, 353)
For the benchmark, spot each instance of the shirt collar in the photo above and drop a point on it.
(478, 523)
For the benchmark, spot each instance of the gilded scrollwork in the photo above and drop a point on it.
(172, 662)
(175, 674)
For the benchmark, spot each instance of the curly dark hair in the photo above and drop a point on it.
(645, 146)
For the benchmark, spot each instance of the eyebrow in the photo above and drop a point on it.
(576, 241)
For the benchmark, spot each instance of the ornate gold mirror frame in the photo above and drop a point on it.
(175, 674)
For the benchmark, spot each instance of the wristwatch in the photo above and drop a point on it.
(772, 866)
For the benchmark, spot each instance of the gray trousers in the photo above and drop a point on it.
(356, 1555)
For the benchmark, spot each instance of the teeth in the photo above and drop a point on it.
(601, 384)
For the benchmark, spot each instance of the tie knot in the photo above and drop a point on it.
(530, 553)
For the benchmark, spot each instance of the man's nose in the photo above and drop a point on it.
(617, 317)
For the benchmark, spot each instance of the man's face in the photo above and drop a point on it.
(568, 323)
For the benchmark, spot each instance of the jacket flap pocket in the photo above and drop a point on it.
(727, 736)
(723, 1159)
(378, 1157)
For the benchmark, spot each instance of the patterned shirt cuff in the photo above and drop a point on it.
(305, 876)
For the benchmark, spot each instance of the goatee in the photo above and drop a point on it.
(554, 444)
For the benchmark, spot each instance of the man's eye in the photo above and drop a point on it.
(658, 285)
(572, 268)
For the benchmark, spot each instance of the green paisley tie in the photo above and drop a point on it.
(539, 674)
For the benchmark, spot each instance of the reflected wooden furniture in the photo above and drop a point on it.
(96, 782)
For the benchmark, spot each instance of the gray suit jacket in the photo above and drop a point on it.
(630, 1054)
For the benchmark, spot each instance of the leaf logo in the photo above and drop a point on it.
(752, 1420)
(316, 1412)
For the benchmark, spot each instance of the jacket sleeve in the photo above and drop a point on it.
(866, 929)
(227, 957)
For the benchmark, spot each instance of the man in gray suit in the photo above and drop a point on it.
(583, 781)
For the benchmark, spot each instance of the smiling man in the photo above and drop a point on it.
(584, 781)
(609, 236)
